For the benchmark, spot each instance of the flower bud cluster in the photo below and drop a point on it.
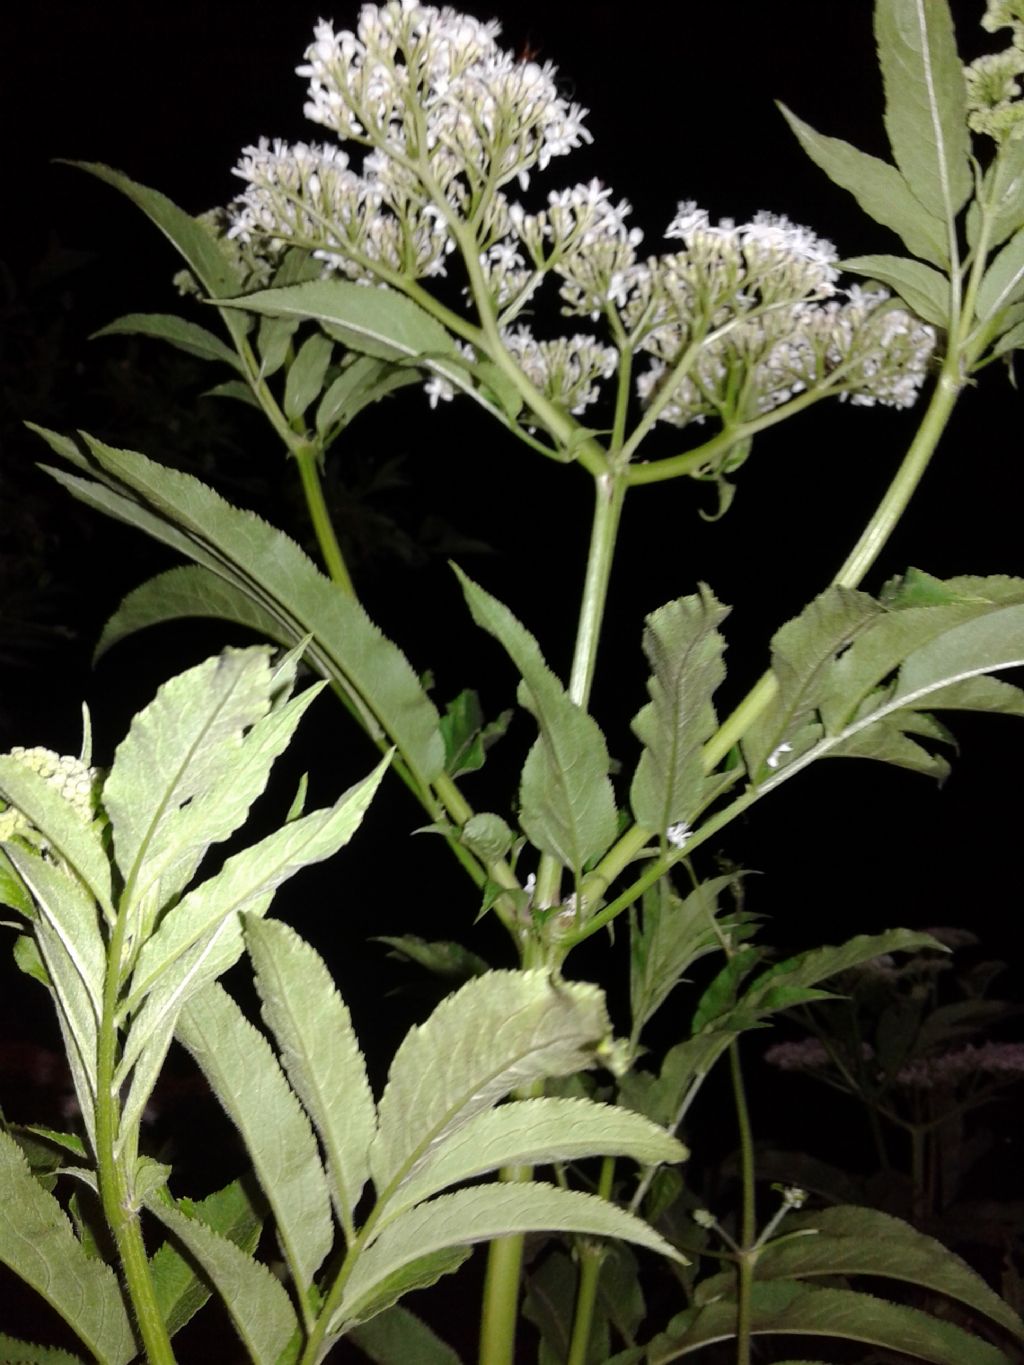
(75, 782)
(994, 104)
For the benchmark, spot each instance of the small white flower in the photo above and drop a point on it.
(678, 835)
(775, 757)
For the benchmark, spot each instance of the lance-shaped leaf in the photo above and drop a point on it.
(923, 289)
(205, 257)
(364, 380)
(201, 936)
(318, 1049)
(178, 750)
(306, 375)
(379, 322)
(269, 569)
(37, 1243)
(803, 652)
(925, 102)
(497, 1032)
(258, 1303)
(796, 1309)
(863, 1241)
(684, 648)
(180, 1292)
(673, 934)
(70, 942)
(245, 1076)
(486, 1211)
(16, 1352)
(535, 1132)
(69, 834)
(1003, 282)
(878, 188)
(397, 1336)
(567, 803)
(179, 332)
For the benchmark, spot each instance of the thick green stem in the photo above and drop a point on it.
(114, 1185)
(747, 1250)
(609, 493)
(864, 553)
(591, 1258)
(307, 457)
(501, 1293)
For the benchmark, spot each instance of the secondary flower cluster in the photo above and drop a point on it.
(999, 1062)
(993, 81)
(736, 320)
(74, 781)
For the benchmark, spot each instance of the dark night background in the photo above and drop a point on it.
(681, 107)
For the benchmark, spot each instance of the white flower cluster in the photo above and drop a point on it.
(994, 104)
(737, 321)
(75, 781)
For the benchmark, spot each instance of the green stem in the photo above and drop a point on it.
(307, 457)
(864, 553)
(591, 1258)
(501, 1293)
(747, 1250)
(609, 494)
(114, 1184)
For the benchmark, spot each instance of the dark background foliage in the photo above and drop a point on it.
(681, 100)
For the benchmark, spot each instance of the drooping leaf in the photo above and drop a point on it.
(535, 1132)
(318, 1049)
(378, 322)
(179, 332)
(440, 956)
(397, 1337)
(245, 1076)
(863, 1241)
(795, 1309)
(1003, 282)
(346, 647)
(567, 803)
(878, 188)
(925, 102)
(39, 1246)
(180, 1292)
(364, 380)
(923, 289)
(684, 649)
(306, 375)
(485, 1211)
(257, 1301)
(497, 1032)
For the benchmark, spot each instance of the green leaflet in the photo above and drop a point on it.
(845, 1313)
(863, 1241)
(173, 775)
(535, 1132)
(418, 1273)
(38, 1245)
(180, 1293)
(306, 375)
(878, 188)
(211, 265)
(925, 102)
(923, 289)
(1004, 280)
(803, 652)
(179, 332)
(245, 1076)
(318, 1049)
(684, 648)
(397, 1337)
(363, 380)
(495, 1033)
(258, 1303)
(270, 570)
(379, 321)
(1002, 189)
(486, 1211)
(673, 933)
(567, 803)
(15, 1352)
